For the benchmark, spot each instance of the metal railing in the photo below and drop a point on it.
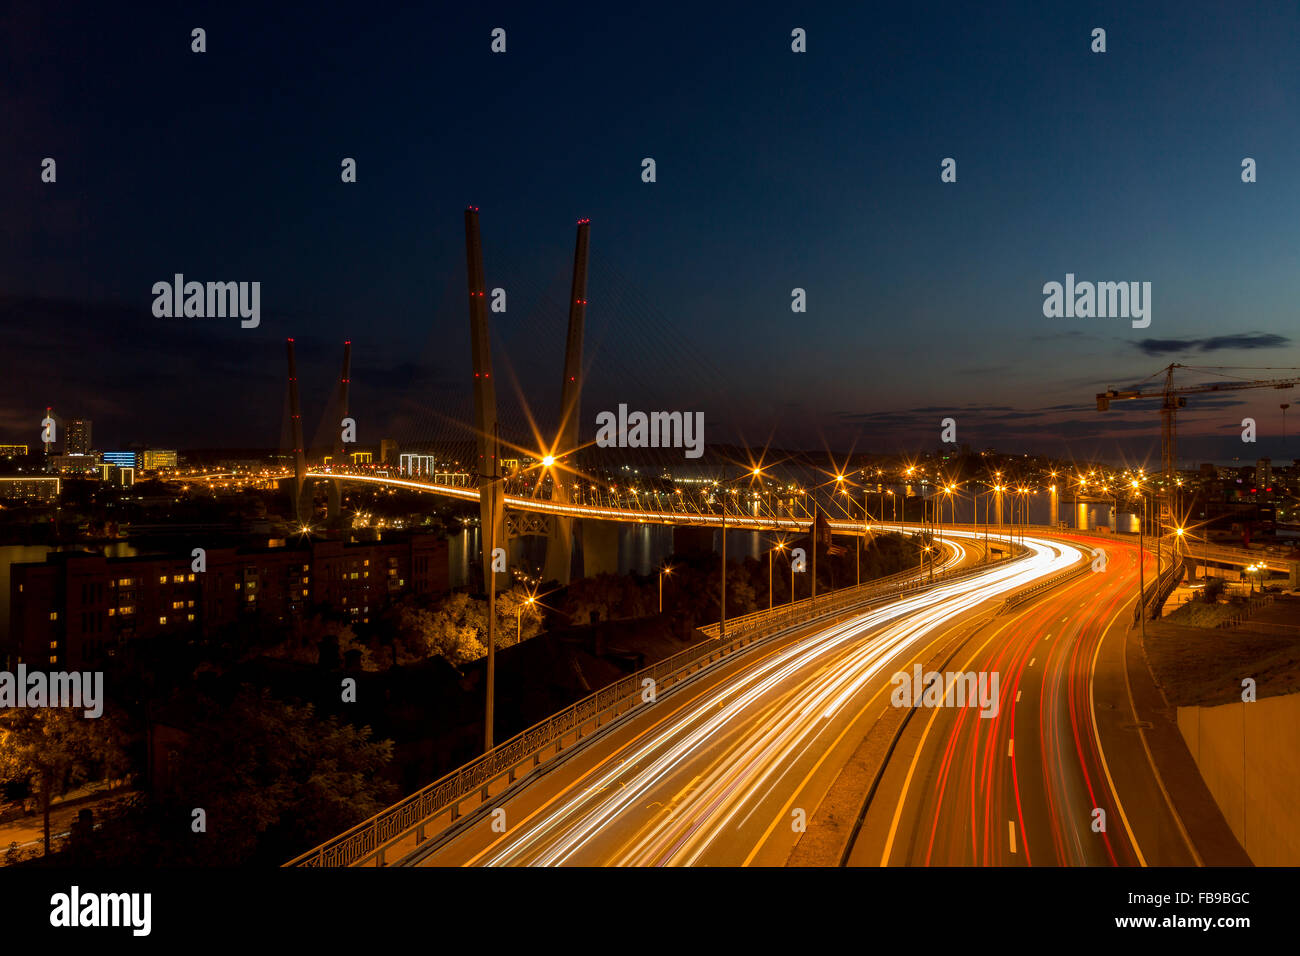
(845, 598)
(404, 827)
(1252, 605)
(1034, 590)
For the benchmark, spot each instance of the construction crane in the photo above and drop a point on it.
(1174, 398)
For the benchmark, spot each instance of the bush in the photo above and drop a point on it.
(1213, 588)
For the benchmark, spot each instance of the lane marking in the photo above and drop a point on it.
(1096, 733)
(784, 814)
(1011, 827)
(920, 747)
(1031, 661)
(1018, 693)
(1011, 747)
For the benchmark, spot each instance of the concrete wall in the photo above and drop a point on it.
(1249, 756)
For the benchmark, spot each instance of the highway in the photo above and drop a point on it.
(719, 772)
(1024, 787)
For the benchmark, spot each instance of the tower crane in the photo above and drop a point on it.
(1174, 398)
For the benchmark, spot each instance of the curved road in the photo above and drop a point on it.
(1034, 785)
(718, 771)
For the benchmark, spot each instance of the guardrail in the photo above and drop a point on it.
(804, 610)
(1034, 590)
(1253, 605)
(403, 827)
(1159, 589)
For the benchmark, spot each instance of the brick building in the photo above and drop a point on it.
(76, 607)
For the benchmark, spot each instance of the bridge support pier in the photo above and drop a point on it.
(599, 547)
(559, 551)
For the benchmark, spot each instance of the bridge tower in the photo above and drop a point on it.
(559, 549)
(295, 438)
(340, 450)
(492, 529)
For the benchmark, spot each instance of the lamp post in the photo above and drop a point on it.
(489, 484)
(1142, 611)
(722, 624)
(662, 571)
(780, 546)
(792, 578)
(519, 616)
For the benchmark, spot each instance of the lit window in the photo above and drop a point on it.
(367, 562)
(54, 645)
(54, 615)
(162, 620)
(112, 611)
(190, 576)
(177, 579)
(53, 659)
(236, 585)
(304, 592)
(162, 579)
(189, 603)
(189, 617)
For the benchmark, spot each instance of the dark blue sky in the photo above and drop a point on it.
(775, 170)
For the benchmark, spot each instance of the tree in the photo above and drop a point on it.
(517, 613)
(272, 778)
(1213, 588)
(54, 749)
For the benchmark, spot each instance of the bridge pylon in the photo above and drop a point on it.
(295, 438)
(492, 525)
(559, 547)
(340, 450)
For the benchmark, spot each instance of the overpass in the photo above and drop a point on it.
(415, 824)
(737, 521)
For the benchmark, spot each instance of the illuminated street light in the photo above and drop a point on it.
(664, 571)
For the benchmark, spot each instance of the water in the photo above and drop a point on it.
(645, 548)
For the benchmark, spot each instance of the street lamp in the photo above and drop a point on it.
(1142, 616)
(662, 571)
(519, 616)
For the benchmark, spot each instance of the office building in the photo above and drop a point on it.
(154, 458)
(77, 437)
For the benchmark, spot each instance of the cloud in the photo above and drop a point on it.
(1217, 343)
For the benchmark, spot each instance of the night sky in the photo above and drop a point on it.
(775, 170)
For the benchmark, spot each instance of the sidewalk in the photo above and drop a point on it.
(28, 831)
(1181, 779)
